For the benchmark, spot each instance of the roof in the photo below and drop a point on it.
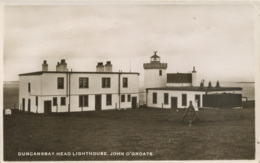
(204, 89)
(155, 56)
(73, 72)
(179, 78)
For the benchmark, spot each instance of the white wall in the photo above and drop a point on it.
(152, 79)
(178, 84)
(133, 84)
(50, 84)
(95, 84)
(45, 87)
(36, 90)
(178, 94)
(220, 92)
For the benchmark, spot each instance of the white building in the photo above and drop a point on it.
(66, 91)
(8, 111)
(176, 90)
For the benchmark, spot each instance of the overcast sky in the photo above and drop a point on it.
(217, 39)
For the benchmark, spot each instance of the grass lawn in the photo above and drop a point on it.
(219, 135)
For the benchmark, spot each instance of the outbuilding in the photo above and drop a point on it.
(8, 112)
(179, 97)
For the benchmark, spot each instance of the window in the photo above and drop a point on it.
(160, 72)
(29, 87)
(122, 98)
(83, 82)
(128, 98)
(36, 100)
(83, 100)
(184, 100)
(154, 98)
(109, 99)
(60, 83)
(55, 101)
(105, 82)
(166, 98)
(125, 82)
(63, 101)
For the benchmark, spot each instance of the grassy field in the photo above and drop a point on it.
(218, 135)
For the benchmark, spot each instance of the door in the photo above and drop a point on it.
(47, 107)
(29, 105)
(98, 103)
(23, 105)
(197, 98)
(134, 102)
(174, 102)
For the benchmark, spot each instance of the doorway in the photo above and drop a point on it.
(98, 102)
(134, 102)
(23, 104)
(174, 103)
(47, 107)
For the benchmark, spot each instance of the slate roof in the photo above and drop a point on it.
(74, 72)
(179, 78)
(204, 89)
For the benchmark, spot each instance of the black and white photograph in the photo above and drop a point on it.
(130, 81)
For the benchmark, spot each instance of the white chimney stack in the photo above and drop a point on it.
(44, 66)
(100, 67)
(108, 67)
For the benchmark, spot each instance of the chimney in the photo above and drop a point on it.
(44, 66)
(193, 77)
(209, 86)
(58, 67)
(217, 85)
(63, 65)
(201, 84)
(108, 67)
(100, 67)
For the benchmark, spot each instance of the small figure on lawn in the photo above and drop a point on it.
(190, 114)
(196, 107)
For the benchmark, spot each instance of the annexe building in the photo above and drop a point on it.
(176, 90)
(66, 91)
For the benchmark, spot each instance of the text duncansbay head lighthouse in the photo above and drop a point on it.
(76, 91)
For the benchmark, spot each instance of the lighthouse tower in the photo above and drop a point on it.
(155, 72)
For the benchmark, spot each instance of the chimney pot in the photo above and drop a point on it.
(100, 64)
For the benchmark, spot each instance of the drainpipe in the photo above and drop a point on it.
(119, 91)
(67, 81)
(146, 97)
(69, 88)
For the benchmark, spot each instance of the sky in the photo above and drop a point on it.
(217, 39)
